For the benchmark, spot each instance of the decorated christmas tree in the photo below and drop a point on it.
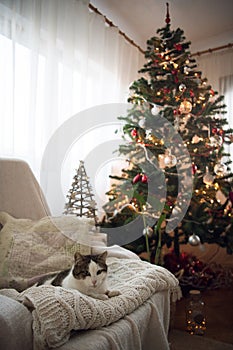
(80, 198)
(179, 179)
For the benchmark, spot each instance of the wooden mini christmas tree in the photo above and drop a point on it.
(80, 198)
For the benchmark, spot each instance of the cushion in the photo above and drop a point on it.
(30, 248)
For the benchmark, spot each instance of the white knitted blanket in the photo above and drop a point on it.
(57, 311)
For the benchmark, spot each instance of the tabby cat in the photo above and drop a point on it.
(88, 275)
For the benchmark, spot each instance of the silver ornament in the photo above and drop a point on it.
(215, 141)
(182, 87)
(148, 231)
(208, 179)
(169, 160)
(155, 110)
(142, 123)
(194, 240)
(220, 169)
(176, 210)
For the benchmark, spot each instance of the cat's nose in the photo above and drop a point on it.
(94, 282)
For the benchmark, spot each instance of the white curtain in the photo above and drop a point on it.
(57, 58)
(217, 67)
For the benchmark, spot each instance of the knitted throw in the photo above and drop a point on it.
(57, 311)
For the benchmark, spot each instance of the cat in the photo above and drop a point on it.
(88, 275)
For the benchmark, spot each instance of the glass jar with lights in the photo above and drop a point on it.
(195, 313)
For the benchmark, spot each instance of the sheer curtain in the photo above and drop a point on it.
(218, 69)
(57, 58)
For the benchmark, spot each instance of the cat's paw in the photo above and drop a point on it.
(98, 296)
(101, 296)
(113, 293)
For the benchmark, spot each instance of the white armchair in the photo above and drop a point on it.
(146, 327)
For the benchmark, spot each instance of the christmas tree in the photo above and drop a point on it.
(80, 198)
(179, 180)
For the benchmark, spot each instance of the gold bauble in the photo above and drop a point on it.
(185, 107)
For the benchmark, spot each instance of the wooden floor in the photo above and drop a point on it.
(219, 314)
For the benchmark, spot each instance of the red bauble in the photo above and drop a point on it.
(134, 133)
(137, 178)
(221, 132)
(176, 112)
(178, 47)
(194, 169)
(144, 179)
(166, 90)
(214, 130)
(191, 93)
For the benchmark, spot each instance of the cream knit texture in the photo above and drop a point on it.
(58, 311)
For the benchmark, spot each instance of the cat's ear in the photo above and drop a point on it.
(77, 257)
(103, 255)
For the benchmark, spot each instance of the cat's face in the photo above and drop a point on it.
(91, 269)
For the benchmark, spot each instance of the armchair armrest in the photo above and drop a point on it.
(15, 325)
